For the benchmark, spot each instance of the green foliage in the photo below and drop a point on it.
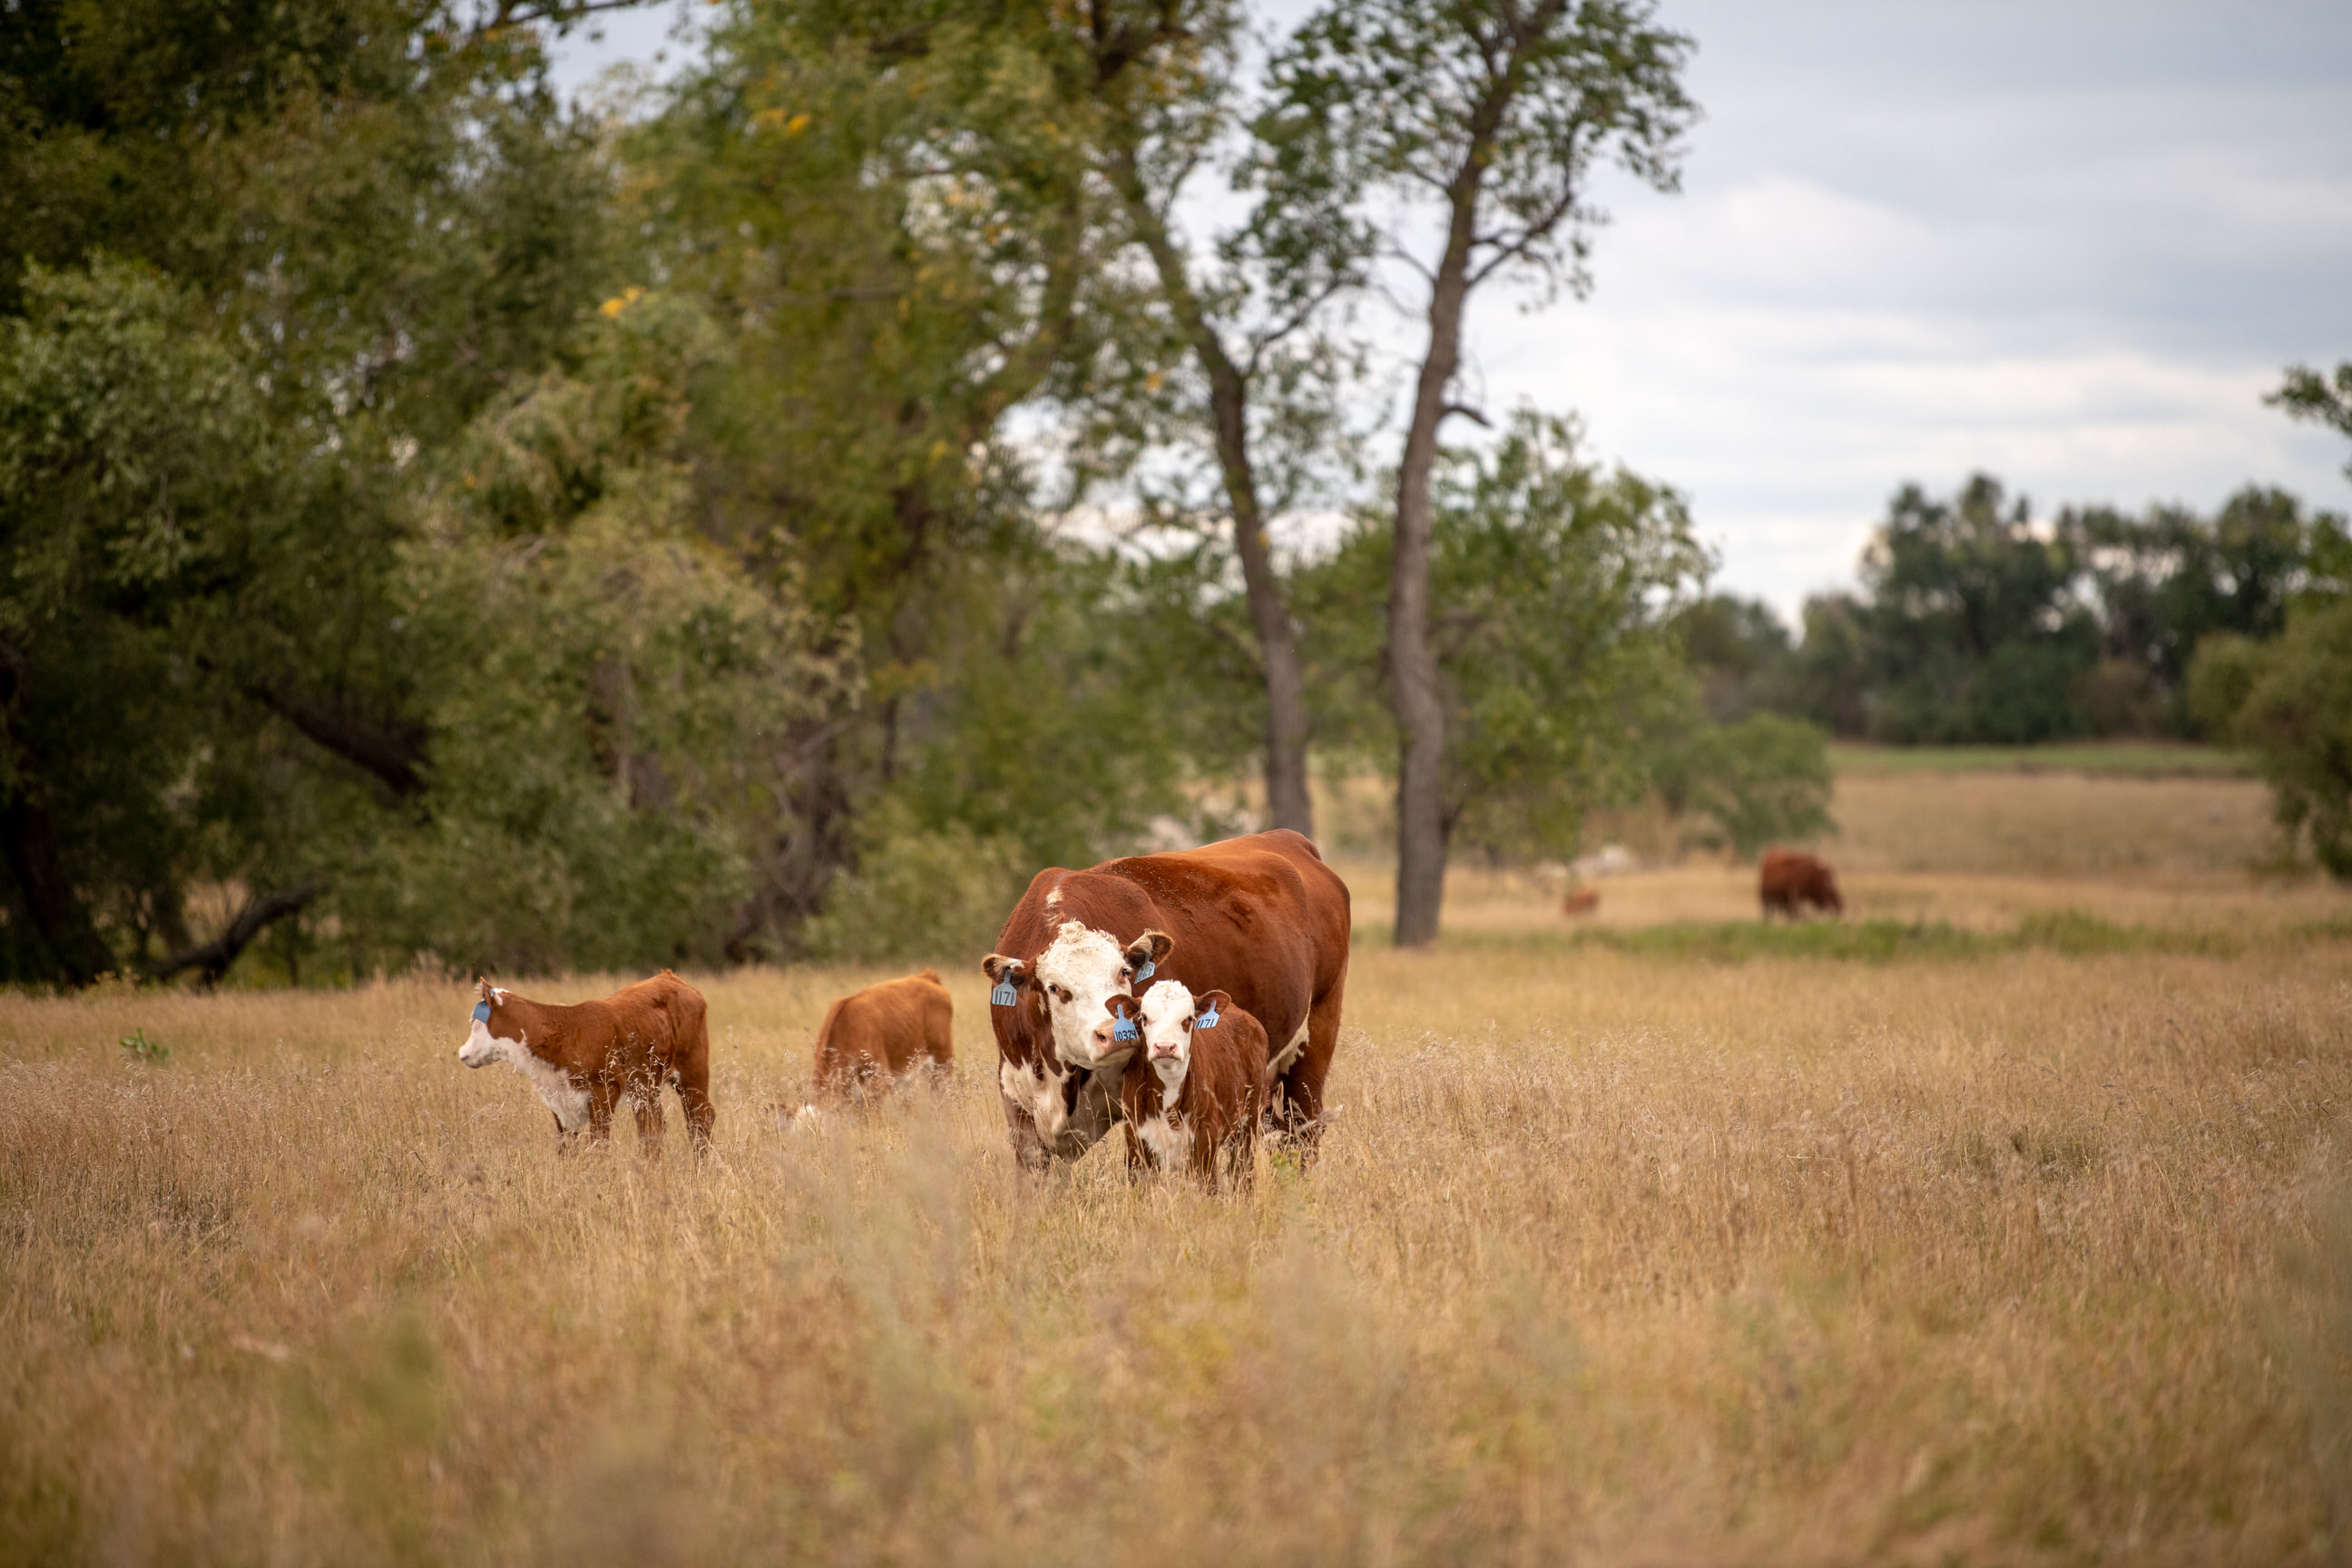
(2289, 702)
(1979, 627)
(1764, 779)
(1554, 589)
(142, 1049)
(2306, 393)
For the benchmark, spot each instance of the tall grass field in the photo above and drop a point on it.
(2012, 1245)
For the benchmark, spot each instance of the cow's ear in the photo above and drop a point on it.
(1153, 947)
(1210, 1002)
(996, 966)
(1122, 1006)
(488, 988)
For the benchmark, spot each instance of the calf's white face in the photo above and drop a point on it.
(482, 1048)
(1167, 1023)
(1079, 973)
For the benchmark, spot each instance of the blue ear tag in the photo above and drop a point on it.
(1144, 973)
(1004, 995)
(481, 1011)
(1125, 1029)
(1207, 1020)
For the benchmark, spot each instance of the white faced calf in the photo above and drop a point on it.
(582, 1060)
(1196, 1084)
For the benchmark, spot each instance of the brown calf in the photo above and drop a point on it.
(1787, 881)
(583, 1057)
(1580, 901)
(875, 1036)
(1196, 1085)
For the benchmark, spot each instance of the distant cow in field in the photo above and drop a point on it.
(1194, 1088)
(874, 1037)
(1259, 916)
(582, 1058)
(1787, 881)
(1580, 901)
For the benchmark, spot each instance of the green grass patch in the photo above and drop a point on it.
(2121, 758)
(2069, 932)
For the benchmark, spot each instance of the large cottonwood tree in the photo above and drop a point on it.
(1470, 130)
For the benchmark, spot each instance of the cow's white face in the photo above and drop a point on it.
(1079, 973)
(482, 1048)
(1167, 1023)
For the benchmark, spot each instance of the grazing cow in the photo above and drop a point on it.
(583, 1057)
(1196, 1084)
(1787, 881)
(877, 1035)
(1580, 901)
(1260, 918)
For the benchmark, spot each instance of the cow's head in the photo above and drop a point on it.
(1167, 1016)
(1078, 975)
(484, 1044)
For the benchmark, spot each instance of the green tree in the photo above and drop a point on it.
(2289, 701)
(1487, 116)
(1973, 629)
(1763, 779)
(1554, 591)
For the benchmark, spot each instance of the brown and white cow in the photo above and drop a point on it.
(582, 1058)
(1193, 1089)
(872, 1038)
(1787, 881)
(1261, 918)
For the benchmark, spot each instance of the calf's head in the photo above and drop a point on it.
(1166, 1016)
(486, 1043)
(1077, 976)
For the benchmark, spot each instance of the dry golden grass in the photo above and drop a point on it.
(2019, 1258)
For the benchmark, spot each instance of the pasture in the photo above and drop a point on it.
(2010, 1247)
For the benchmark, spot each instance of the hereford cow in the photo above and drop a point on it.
(874, 1037)
(1194, 1088)
(584, 1057)
(1579, 901)
(1260, 918)
(1789, 881)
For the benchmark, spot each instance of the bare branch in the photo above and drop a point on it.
(212, 958)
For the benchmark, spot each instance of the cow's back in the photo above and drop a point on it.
(890, 1022)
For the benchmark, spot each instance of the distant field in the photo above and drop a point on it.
(2006, 1222)
(2129, 759)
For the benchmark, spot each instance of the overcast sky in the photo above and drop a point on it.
(2069, 242)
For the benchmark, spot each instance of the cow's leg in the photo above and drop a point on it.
(603, 1095)
(1029, 1150)
(693, 1079)
(646, 1103)
(1295, 1109)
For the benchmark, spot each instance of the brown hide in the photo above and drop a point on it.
(872, 1036)
(1261, 918)
(631, 1043)
(1223, 1091)
(1580, 901)
(1787, 881)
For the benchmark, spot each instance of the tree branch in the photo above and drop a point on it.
(395, 756)
(213, 958)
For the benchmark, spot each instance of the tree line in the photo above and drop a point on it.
(770, 513)
(444, 524)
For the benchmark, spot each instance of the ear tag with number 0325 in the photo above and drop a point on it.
(481, 1011)
(1005, 995)
(1207, 1020)
(1125, 1028)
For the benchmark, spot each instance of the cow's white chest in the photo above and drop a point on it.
(569, 1102)
(1166, 1138)
(567, 1099)
(1038, 1094)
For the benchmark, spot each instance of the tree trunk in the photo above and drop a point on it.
(1287, 799)
(1414, 691)
(30, 841)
